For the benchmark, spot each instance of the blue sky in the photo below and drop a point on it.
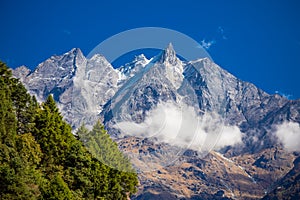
(257, 41)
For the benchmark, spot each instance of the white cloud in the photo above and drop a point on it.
(231, 135)
(288, 134)
(207, 44)
(180, 125)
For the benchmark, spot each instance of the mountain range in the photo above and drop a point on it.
(245, 153)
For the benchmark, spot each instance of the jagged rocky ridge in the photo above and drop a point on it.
(86, 89)
(79, 85)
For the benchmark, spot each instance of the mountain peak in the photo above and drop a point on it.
(169, 55)
(170, 47)
(140, 58)
(73, 54)
(97, 57)
(78, 53)
(75, 51)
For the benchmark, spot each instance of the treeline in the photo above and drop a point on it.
(41, 159)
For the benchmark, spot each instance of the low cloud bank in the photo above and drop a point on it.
(180, 125)
(288, 134)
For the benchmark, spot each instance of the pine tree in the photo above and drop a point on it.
(25, 107)
(19, 177)
(123, 180)
(52, 133)
(7, 117)
(85, 176)
(58, 189)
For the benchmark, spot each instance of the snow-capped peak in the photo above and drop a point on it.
(130, 69)
(74, 52)
(169, 55)
(141, 59)
(99, 60)
(97, 57)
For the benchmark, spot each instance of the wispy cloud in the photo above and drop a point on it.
(207, 44)
(288, 96)
(222, 33)
(66, 31)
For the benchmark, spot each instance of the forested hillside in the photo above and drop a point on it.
(41, 159)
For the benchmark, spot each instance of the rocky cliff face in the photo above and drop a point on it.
(288, 187)
(88, 89)
(79, 85)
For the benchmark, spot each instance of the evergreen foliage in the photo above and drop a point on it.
(41, 159)
(122, 177)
